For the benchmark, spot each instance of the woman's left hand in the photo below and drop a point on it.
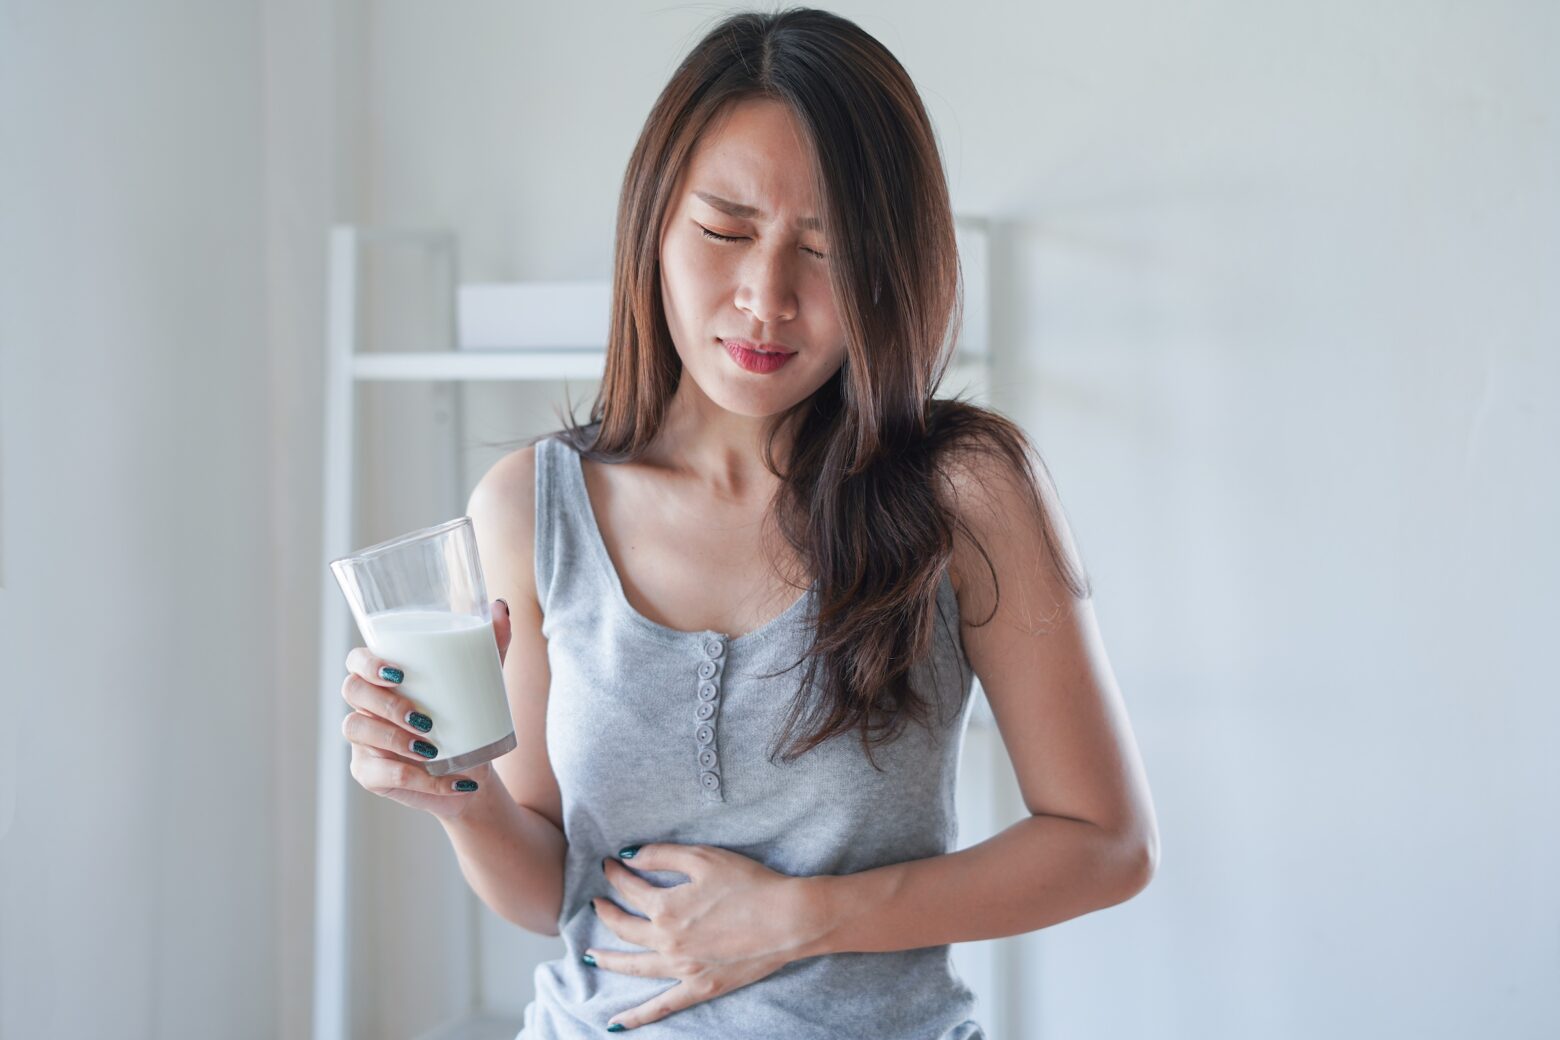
(734, 922)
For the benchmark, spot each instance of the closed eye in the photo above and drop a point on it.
(737, 238)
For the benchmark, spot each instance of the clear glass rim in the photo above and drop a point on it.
(402, 539)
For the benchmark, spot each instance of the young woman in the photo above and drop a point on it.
(751, 594)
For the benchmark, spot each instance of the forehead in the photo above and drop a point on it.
(754, 152)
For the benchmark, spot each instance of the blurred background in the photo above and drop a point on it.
(1273, 287)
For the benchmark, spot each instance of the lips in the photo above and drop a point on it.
(756, 361)
(761, 348)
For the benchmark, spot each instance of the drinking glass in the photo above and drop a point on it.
(421, 604)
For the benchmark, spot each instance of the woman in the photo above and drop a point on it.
(766, 483)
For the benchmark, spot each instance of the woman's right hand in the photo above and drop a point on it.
(384, 759)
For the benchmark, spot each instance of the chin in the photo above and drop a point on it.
(752, 403)
(749, 409)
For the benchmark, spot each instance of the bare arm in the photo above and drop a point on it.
(511, 843)
(1038, 872)
(512, 857)
(1091, 840)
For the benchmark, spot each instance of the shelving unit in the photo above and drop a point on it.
(345, 367)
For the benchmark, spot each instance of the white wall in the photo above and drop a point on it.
(313, 178)
(138, 893)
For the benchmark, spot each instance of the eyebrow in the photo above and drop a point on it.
(745, 212)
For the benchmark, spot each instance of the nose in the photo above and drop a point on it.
(766, 290)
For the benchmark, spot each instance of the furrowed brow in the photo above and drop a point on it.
(743, 211)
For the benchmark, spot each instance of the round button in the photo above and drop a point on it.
(707, 691)
(705, 734)
(709, 780)
(706, 669)
(714, 647)
(705, 710)
(707, 758)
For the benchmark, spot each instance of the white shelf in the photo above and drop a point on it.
(477, 366)
(522, 365)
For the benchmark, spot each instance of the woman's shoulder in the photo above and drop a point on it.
(1005, 510)
(509, 485)
(502, 508)
(967, 501)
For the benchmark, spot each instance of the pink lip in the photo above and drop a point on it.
(773, 348)
(752, 361)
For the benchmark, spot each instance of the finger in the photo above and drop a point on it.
(676, 998)
(649, 965)
(361, 661)
(373, 731)
(387, 704)
(369, 749)
(380, 775)
(637, 892)
(623, 924)
(665, 855)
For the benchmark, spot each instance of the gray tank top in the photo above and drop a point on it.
(661, 735)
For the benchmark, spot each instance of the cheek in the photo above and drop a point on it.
(830, 327)
(689, 274)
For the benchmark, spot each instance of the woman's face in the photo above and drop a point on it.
(770, 285)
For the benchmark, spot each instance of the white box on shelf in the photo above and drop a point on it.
(534, 315)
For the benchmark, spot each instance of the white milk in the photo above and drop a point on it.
(453, 675)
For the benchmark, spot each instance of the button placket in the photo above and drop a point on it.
(706, 703)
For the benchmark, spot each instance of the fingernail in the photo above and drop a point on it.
(628, 852)
(425, 749)
(391, 674)
(421, 721)
(465, 785)
(505, 602)
(588, 959)
(616, 1027)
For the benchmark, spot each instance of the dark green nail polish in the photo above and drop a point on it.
(393, 674)
(425, 749)
(616, 1027)
(588, 959)
(465, 785)
(628, 853)
(418, 719)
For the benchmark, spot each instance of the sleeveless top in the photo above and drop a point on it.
(661, 735)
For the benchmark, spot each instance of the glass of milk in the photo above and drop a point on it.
(422, 605)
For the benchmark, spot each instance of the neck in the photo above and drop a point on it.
(721, 450)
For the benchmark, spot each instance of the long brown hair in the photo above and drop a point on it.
(864, 496)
